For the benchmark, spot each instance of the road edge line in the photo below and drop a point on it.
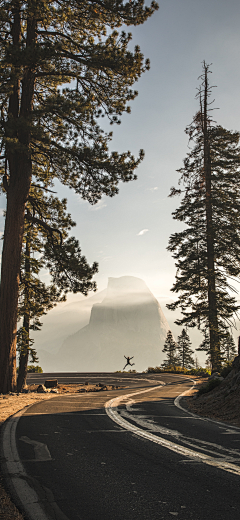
(202, 418)
(14, 473)
(111, 411)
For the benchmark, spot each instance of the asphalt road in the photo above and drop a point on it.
(140, 456)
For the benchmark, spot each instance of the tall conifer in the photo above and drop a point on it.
(207, 251)
(185, 352)
(229, 350)
(62, 66)
(170, 348)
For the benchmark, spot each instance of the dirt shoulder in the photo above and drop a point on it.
(220, 404)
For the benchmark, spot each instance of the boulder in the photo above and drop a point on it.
(51, 383)
(41, 389)
(214, 375)
(236, 364)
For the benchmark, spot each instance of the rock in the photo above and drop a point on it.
(236, 364)
(25, 391)
(54, 391)
(214, 375)
(51, 383)
(81, 390)
(86, 384)
(41, 389)
(230, 375)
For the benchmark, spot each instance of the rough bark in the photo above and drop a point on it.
(19, 181)
(24, 353)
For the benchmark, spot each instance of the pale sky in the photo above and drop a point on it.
(128, 234)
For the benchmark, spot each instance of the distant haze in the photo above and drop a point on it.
(94, 336)
(94, 333)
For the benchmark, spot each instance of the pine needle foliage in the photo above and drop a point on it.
(63, 65)
(185, 353)
(229, 349)
(47, 245)
(207, 250)
(170, 348)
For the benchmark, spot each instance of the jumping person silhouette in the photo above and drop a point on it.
(128, 362)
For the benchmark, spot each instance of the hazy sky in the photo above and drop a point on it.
(128, 234)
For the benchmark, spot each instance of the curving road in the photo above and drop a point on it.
(129, 454)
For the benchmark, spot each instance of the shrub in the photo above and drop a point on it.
(153, 370)
(209, 386)
(180, 370)
(36, 369)
(226, 369)
(204, 372)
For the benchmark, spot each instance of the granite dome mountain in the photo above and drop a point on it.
(128, 321)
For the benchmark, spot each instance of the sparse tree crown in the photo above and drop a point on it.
(207, 251)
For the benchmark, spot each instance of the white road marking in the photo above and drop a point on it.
(111, 410)
(18, 478)
(231, 432)
(219, 423)
(41, 450)
(146, 422)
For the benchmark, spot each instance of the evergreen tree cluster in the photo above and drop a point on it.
(178, 353)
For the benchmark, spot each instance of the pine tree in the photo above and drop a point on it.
(184, 350)
(208, 249)
(170, 347)
(35, 299)
(47, 245)
(62, 66)
(228, 348)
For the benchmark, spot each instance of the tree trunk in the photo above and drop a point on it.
(212, 303)
(23, 360)
(17, 186)
(24, 353)
(11, 262)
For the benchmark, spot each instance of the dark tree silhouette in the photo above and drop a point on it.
(184, 350)
(207, 251)
(170, 348)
